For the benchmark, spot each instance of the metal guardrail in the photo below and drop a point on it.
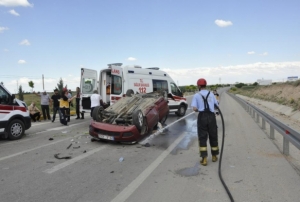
(289, 134)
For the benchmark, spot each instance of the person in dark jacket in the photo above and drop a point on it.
(55, 100)
(78, 104)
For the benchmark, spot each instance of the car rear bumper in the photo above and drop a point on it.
(112, 132)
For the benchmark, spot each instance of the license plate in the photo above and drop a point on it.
(106, 137)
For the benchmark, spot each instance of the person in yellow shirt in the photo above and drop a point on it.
(64, 106)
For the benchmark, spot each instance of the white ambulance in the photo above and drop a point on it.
(14, 115)
(114, 82)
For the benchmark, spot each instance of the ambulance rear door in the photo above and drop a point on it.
(117, 84)
(88, 83)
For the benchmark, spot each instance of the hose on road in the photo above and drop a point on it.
(221, 155)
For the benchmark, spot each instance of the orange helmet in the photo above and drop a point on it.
(201, 82)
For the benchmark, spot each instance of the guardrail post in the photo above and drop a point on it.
(253, 113)
(272, 133)
(263, 124)
(286, 146)
(257, 117)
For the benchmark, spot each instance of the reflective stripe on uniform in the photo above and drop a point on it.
(203, 148)
(214, 148)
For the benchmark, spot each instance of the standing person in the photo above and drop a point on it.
(70, 104)
(96, 100)
(64, 106)
(34, 112)
(55, 100)
(204, 102)
(45, 100)
(78, 104)
(217, 96)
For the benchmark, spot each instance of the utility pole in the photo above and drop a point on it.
(43, 81)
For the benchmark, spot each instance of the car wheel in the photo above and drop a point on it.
(129, 93)
(139, 121)
(181, 111)
(15, 129)
(97, 113)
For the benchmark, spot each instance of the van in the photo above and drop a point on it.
(14, 116)
(114, 81)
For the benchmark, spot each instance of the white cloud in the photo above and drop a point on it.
(222, 23)
(248, 73)
(25, 42)
(14, 3)
(2, 29)
(13, 12)
(251, 53)
(21, 61)
(264, 54)
(131, 59)
(5, 50)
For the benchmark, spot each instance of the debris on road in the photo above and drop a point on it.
(69, 146)
(50, 162)
(84, 151)
(112, 171)
(64, 157)
(50, 138)
(76, 147)
(147, 145)
(121, 159)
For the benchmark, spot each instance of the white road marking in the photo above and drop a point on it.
(127, 191)
(74, 160)
(29, 150)
(161, 130)
(24, 140)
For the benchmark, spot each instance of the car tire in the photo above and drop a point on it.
(97, 113)
(181, 111)
(15, 129)
(129, 93)
(139, 121)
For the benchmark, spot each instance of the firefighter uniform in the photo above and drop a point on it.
(205, 102)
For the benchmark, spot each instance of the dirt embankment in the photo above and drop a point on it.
(284, 93)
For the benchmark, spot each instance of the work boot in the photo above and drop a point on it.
(214, 158)
(204, 161)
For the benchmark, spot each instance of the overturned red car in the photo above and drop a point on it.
(130, 118)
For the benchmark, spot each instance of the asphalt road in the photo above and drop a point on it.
(252, 166)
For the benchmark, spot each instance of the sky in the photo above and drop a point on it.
(222, 41)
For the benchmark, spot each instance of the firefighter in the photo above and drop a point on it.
(217, 96)
(204, 102)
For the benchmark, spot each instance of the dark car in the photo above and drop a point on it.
(130, 118)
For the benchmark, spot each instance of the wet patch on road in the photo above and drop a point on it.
(188, 172)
